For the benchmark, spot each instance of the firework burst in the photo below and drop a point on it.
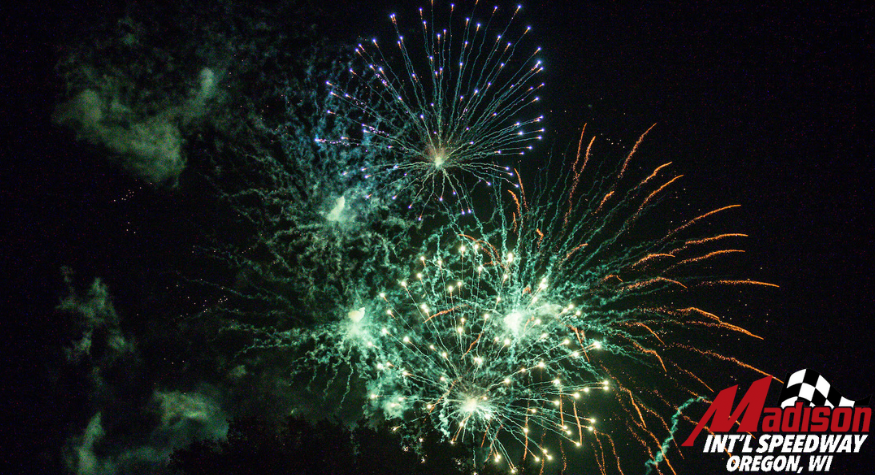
(518, 333)
(451, 104)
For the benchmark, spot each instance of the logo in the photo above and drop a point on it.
(812, 423)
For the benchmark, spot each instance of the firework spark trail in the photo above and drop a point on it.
(504, 328)
(558, 318)
(307, 232)
(497, 331)
(446, 110)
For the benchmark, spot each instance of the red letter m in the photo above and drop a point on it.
(753, 401)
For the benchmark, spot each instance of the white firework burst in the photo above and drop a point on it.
(451, 104)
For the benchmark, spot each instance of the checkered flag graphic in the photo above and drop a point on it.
(809, 386)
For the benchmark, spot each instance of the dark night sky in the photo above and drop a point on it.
(767, 105)
(764, 106)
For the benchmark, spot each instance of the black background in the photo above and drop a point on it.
(765, 105)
